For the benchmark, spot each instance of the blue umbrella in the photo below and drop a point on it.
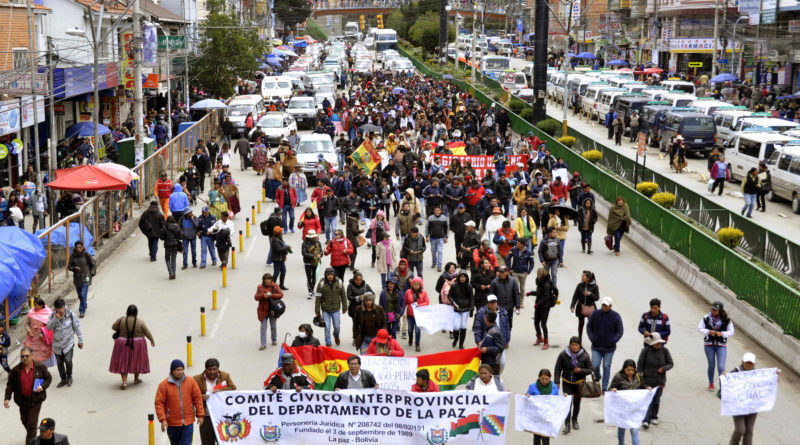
(274, 63)
(790, 96)
(617, 62)
(586, 55)
(85, 129)
(571, 55)
(399, 90)
(448, 77)
(724, 77)
(275, 56)
(300, 44)
(208, 104)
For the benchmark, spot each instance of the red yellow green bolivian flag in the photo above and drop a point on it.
(366, 157)
(448, 369)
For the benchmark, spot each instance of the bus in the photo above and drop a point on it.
(352, 30)
(385, 39)
(493, 66)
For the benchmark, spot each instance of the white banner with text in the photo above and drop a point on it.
(626, 409)
(748, 392)
(543, 415)
(392, 372)
(434, 318)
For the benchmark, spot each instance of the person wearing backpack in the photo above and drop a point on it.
(266, 295)
(222, 230)
(551, 253)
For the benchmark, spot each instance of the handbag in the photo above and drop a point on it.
(390, 317)
(591, 390)
(609, 242)
(587, 309)
(445, 292)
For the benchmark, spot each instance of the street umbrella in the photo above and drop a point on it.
(571, 55)
(790, 96)
(724, 77)
(125, 172)
(274, 63)
(275, 56)
(399, 90)
(617, 62)
(85, 129)
(366, 128)
(653, 70)
(586, 55)
(208, 104)
(21, 254)
(448, 77)
(624, 70)
(565, 211)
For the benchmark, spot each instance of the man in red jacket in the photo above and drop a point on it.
(383, 344)
(164, 189)
(424, 382)
(559, 190)
(286, 197)
(340, 249)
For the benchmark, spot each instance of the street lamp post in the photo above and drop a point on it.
(733, 56)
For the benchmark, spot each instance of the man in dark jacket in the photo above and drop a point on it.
(655, 321)
(368, 319)
(355, 377)
(20, 385)
(458, 226)
(193, 180)
(151, 223)
(243, 147)
(189, 226)
(605, 330)
(506, 288)
(204, 223)
(202, 164)
(502, 191)
(48, 435)
(288, 376)
(413, 248)
(330, 302)
(492, 344)
(551, 254)
(328, 207)
(83, 269)
(653, 364)
(521, 262)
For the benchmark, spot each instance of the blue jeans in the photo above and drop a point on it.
(716, 354)
(605, 357)
(330, 227)
(279, 271)
(288, 213)
(365, 344)
(180, 435)
(413, 330)
(634, 436)
(553, 266)
(335, 319)
(617, 240)
(652, 410)
(749, 202)
(437, 250)
(206, 244)
(83, 292)
(186, 244)
(342, 160)
(152, 245)
(561, 243)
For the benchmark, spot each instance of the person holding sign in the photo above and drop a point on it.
(717, 328)
(542, 387)
(573, 364)
(654, 362)
(627, 379)
(743, 425)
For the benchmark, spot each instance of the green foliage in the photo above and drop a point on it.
(526, 113)
(516, 105)
(664, 199)
(592, 156)
(292, 12)
(730, 236)
(314, 30)
(397, 21)
(647, 188)
(425, 32)
(569, 141)
(228, 51)
(549, 126)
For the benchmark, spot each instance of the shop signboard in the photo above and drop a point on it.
(699, 45)
(16, 83)
(750, 8)
(794, 26)
(768, 11)
(175, 42)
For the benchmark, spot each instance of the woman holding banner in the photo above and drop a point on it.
(542, 387)
(627, 379)
(743, 425)
(573, 365)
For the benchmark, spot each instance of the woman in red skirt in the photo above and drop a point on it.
(130, 347)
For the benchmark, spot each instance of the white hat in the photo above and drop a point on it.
(749, 357)
(654, 338)
(606, 301)
(491, 297)
(469, 224)
(441, 143)
(311, 234)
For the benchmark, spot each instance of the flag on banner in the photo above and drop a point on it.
(448, 369)
(366, 157)
(464, 425)
(457, 148)
(451, 368)
(493, 424)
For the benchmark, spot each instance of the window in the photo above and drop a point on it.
(749, 148)
(698, 124)
(727, 122)
(774, 158)
(783, 163)
(21, 58)
(768, 150)
(794, 166)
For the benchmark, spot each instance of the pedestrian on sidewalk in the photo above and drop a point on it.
(173, 241)
(368, 319)
(493, 343)
(551, 253)
(129, 355)
(716, 328)
(655, 321)
(222, 231)
(619, 222)
(743, 425)
(436, 234)
(48, 435)
(178, 202)
(765, 177)
(151, 223)
(209, 381)
(65, 327)
(22, 386)
(204, 223)
(178, 402)
(543, 386)
(268, 311)
(163, 190)
(280, 250)
(653, 364)
(311, 251)
(189, 231)
(720, 173)
(286, 197)
(83, 268)
(415, 296)
(751, 185)
(587, 218)
(584, 298)
(330, 298)
(605, 330)
(546, 297)
(634, 131)
(626, 379)
(340, 249)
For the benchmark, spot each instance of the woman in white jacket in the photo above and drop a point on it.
(493, 224)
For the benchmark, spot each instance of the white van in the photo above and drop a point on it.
(513, 81)
(603, 105)
(726, 118)
(679, 86)
(678, 99)
(708, 106)
(275, 88)
(505, 48)
(745, 150)
(240, 107)
(784, 164)
(553, 80)
(592, 95)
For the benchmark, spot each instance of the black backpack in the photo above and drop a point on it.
(277, 307)
(223, 238)
(265, 227)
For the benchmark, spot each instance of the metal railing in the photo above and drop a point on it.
(762, 290)
(101, 216)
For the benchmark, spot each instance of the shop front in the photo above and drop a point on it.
(16, 123)
(695, 56)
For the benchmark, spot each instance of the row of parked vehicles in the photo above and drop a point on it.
(671, 109)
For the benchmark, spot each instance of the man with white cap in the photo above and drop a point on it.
(605, 331)
(479, 327)
(743, 425)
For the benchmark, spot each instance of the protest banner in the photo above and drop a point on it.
(543, 415)
(382, 416)
(748, 392)
(626, 409)
(434, 318)
(480, 163)
(392, 372)
(562, 173)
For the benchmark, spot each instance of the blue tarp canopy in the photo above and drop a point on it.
(21, 254)
(724, 77)
(299, 43)
(586, 55)
(58, 237)
(85, 129)
(617, 62)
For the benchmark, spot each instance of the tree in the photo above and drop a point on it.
(292, 12)
(227, 50)
(425, 32)
(397, 21)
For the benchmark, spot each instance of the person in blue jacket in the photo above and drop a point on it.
(178, 202)
(543, 386)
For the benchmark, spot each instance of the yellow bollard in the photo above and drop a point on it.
(233, 258)
(264, 194)
(224, 277)
(247, 231)
(214, 300)
(151, 430)
(241, 242)
(202, 321)
(188, 351)
(253, 216)
(259, 208)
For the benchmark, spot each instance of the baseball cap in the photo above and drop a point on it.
(287, 358)
(606, 301)
(204, 209)
(748, 357)
(383, 336)
(491, 297)
(716, 305)
(49, 424)
(461, 206)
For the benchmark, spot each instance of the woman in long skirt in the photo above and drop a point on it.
(37, 325)
(259, 157)
(216, 200)
(129, 355)
(298, 181)
(231, 193)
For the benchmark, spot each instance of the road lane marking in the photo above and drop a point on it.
(219, 318)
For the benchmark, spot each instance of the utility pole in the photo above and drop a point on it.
(269, 26)
(32, 67)
(566, 66)
(169, 91)
(540, 60)
(474, 38)
(716, 39)
(185, 57)
(51, 154)
(442, 31)
(138, 106)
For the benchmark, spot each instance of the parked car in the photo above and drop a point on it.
(304, 110)
(276, 125)
(310, 147)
